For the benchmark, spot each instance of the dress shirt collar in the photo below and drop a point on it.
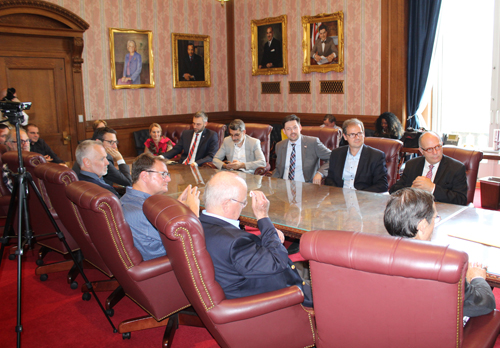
(92, 175)
(136, 193)
(357, 155)
(242, 145)
(298, 142)
(235, 223)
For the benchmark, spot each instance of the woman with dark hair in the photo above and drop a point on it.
(388, 126)
(157, 144)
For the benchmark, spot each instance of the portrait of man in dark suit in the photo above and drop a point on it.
(191, 64)
(271, 52)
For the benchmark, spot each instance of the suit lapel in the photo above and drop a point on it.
(441, 170)
(363, 159)
(339, 167)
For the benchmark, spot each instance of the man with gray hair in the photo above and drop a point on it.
(245, 264)
(357, 166)
(434, 172)
(198, 145)
(11, 142)
(91, 157)
(241, 151)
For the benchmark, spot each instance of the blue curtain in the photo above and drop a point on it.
(423, 20)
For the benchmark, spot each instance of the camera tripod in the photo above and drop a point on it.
(22, 182)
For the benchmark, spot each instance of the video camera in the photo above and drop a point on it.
(14, 110)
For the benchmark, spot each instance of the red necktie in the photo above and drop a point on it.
(429, 173)
(188, 159)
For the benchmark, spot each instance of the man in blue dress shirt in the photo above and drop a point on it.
(150, 177)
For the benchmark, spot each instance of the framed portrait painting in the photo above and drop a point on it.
(269, 46)
(191, 60)
(323, 42)
(131, 53)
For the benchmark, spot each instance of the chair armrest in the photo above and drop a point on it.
(151, 268)
(262, 170)
(252, 306)
(482, 332)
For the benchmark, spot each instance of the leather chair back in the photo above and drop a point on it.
(328, 136)
(275, 319)
(140, 138)
(392, 149)
(56, 178)
(471, 159)
(218, 128)
(151, 284)
(3, 149)
(383, 291)
(263, 133)
(174, 130)
(39, 220)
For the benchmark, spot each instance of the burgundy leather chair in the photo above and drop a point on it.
(151, 284)
(328, 136)
(263, 133)
(218, 128)
(40, 222)
(383, 291)
(174, 130)
(56, 178)
(392, 149)
(470, 159)
(274, 319)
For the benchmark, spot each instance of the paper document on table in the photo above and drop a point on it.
(323, 61)
(485, 237)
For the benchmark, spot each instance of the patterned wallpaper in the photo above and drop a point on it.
(362, 73)
(163, 17)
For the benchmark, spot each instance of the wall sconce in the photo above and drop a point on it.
(222, 2)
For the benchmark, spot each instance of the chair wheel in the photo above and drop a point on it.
(12, 257)
(126, 335)
(86, 296)
(39, 262)
(44, 277)
(111, 312)
(74, 285)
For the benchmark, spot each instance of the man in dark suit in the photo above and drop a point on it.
(121, 176)
(199, 144)
(302, 165)
(192, 68)
(440, 175)
(357, 166)
(91, 158)
(272, 56)
(245, 264)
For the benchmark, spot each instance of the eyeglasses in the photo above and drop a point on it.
(354, 135)
(244, 204)
(431, 149)
(163, 174)
(22, 141)
(112, 142)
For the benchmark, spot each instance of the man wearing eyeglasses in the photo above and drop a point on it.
(434, 172)
(121, 176)
(150, 177)
(11, 143)
(357, 166)
(39, 145)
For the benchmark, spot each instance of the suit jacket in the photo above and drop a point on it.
(253, 153)
(329, 48)
(450, 179)
(120, 176)
(193, 67)
(371, 174)
(135, 68)
(478, 298)
(247, 265)
(312, 151)
(272, 54)
(44, 149)
(83, 177)
(207, 148)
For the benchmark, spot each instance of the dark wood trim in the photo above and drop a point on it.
(231, 68)
(394, 57)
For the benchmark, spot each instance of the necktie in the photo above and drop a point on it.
(291, 170)
(293, 188)
(190, 58)
(429, 173)
(188, 159)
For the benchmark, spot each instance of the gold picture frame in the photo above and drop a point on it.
(134, 71)
(263, 53)
(330, 24)
(195, 71)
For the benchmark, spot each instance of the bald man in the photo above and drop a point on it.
(245, 264)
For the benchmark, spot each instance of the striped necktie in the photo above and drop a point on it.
(429, 173)
(291, 170)
(188, 159)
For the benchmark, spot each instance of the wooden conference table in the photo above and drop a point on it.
(296, 208)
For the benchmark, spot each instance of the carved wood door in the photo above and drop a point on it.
(42, 81)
